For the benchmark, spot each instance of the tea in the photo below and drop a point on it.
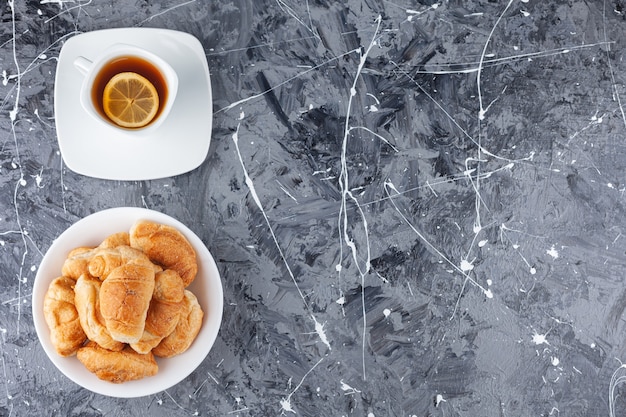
(128, 64)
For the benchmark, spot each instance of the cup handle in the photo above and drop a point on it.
(82, 64)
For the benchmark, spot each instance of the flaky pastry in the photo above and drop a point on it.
(186, 330)
(124, 300)
(66, 333)
(164, 311)
(115, 240)
(166, 246)
(86, 297)
(117, 367)
(104, 260)
(77, 262)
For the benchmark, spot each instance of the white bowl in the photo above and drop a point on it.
(207, 287)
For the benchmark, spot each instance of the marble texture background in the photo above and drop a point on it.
(417, 207)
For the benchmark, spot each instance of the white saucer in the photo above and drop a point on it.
(179, 145)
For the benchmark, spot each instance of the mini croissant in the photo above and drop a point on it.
(166, 246)
(124, 300)
(104, 260)
(115, 240)
(186, 330)
(59, 310)
(77, 262)
(87, 292)
(164, 311)
(117, 367)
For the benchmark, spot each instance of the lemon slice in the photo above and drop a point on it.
(130, 100)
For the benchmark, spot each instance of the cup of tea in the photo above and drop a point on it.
(127, 87)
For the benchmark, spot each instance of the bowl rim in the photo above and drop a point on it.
(207, 287)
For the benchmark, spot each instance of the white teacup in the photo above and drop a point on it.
(123, 58)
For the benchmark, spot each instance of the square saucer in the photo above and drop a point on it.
(181, 142)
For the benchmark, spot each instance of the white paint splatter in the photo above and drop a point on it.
(348, 389)
(553, 252)
(345, 234)
(466, 266)
(540, 339)
(439, 399)
(386, 312)
(59, 2)
(555, 361)
(616, 380)
(319, 329)
(38, 178)
(285, 403)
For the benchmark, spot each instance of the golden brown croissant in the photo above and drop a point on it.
(166, 246)
(169, 287)
(124, 300)
(66, 333)
(77, 262)
(186, 330)
(104, 260)
(117, 367)
(164, 310)
(115, 240)
(86, 298)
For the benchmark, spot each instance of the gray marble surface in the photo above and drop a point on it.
(417, 208)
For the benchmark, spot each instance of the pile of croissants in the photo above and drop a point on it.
(118, 305)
